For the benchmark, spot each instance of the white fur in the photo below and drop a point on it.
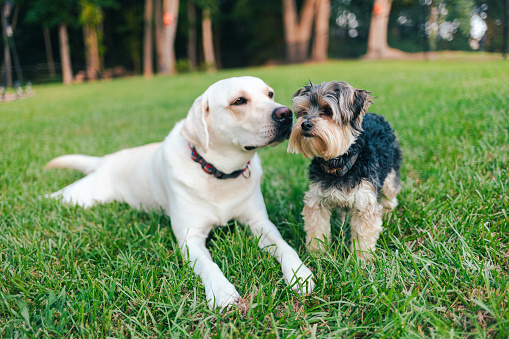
(163, 175)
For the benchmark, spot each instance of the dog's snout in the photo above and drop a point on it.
(282, 114)
(306, 126)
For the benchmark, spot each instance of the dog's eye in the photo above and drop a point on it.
(271, 95)
(327, 111)
(239, 101)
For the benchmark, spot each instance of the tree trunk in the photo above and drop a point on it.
(191, 42)
(433, 26)
(65, 54)
(170, 18)
(7, 67)
(208, 44)
(147, 43)
(49, 52)
(159, 34)
(321, 42)
(506, 28)
(217, 47)
(377, 39)
(297, 35)
(91, 51)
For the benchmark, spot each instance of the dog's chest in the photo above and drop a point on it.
(227, 200)
(331, 197)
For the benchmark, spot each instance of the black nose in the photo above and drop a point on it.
(306, 126)
(282, 114)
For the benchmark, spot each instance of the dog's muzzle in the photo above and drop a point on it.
(306, 126)
(283, 118)
(283, 123)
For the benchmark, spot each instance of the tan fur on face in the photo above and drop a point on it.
(331, 108)
(329, 139)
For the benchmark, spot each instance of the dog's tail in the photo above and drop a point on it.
(80, 162)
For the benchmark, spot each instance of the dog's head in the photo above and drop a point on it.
(329, 119)
(239, 112)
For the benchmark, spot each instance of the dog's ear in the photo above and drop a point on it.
(299, 92)
(361, 101)
(195, 128)
(302, 91)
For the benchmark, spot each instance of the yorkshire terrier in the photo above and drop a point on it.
(355, 166)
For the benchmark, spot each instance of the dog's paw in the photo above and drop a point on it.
(362, 254)
(301, 281)
(316, 245)
(222, 296)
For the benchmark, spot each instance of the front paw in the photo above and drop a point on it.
(315, 244)
(222, 295)
(301, 280)
(363, 253)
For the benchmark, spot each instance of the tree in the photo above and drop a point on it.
(297, 34)
(167, 40)
(505, 28)
(65, 53)
(61, 13)
(321, 41)
(91, 18)
(49, 52)
(7, 53)
(208, 45)
(158, 14)
(166, 18)
(192, 37)
(377, 38)
(147, 43)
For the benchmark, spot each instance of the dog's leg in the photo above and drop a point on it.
(389, 192)
(218, 290)
(366, 222)
(295, 273)
(316, 220)
(342, 214)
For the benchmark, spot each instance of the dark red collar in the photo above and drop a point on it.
(210, 169)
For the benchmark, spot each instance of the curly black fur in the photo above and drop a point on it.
(378, 153)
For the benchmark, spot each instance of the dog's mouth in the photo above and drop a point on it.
(307, 134)
(282, 134)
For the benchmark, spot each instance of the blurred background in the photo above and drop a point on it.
(81, 40)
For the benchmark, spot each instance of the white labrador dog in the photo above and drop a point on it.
(201, 187)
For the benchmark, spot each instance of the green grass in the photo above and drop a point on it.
(441, 267)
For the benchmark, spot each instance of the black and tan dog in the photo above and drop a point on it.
(355, 166)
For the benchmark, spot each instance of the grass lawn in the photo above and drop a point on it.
(441, 266)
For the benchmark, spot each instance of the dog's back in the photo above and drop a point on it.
(382, 143)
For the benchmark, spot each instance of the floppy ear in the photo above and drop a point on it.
(195, 128)
(361, 101)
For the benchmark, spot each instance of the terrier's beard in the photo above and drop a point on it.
(327, 140)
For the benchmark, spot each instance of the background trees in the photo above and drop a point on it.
(169, 36)
(50, 14)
